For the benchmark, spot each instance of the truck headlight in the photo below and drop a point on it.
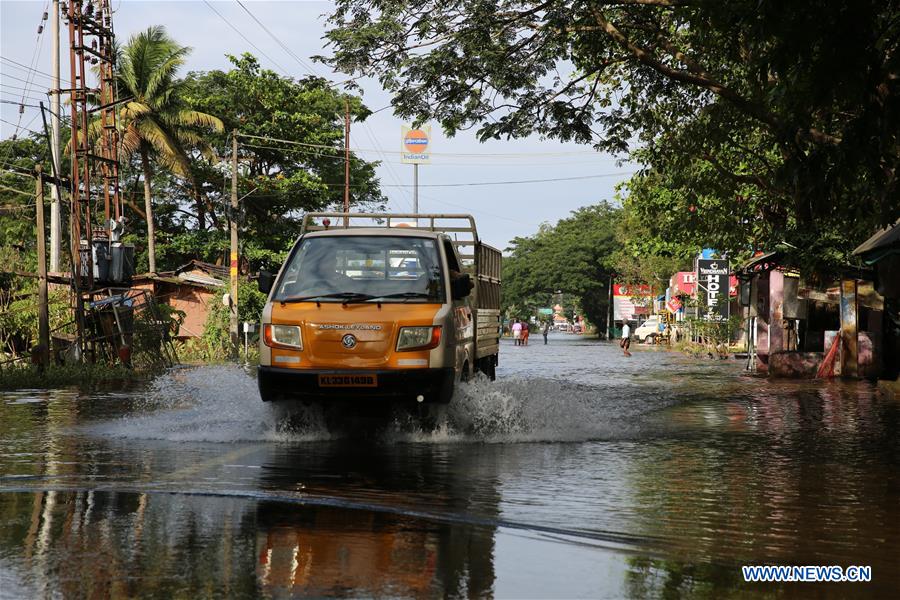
(283, 335)
(418, 338)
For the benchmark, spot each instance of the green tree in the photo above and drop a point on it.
(783, 117)
(279, 181)
(156, 121)
(573, 257)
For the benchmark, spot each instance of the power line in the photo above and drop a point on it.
(387, 164)
(18, 94)
(19, 103)
(35, 56)
(486, 183)
(27, 82)
(469, 154)
(297, 151)
(290, 52)
(19, 126)
(246, 39)
(516, 181)
(26, 68)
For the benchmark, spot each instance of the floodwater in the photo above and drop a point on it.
(579, 473)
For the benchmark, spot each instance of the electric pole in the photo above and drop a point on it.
(43, 308)
(346, 161)
(233, 263)
(55, 223)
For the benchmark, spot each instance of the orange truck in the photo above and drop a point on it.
(380, 305)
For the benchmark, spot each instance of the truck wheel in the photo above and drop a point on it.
(488, 366)
(446, 393)
(266, 391)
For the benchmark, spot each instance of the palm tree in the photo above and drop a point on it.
(156, 121)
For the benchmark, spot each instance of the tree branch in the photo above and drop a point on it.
(696, 75)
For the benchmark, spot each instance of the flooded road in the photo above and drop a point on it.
(579, 473)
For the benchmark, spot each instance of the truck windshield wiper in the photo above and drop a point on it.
(405, 295)
(345, 296)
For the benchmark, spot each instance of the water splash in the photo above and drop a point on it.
(221, 404)
(205, 404)
(522, 410)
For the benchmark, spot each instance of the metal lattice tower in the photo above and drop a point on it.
(94, 175)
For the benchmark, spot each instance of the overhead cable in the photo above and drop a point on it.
(290, 52)
(246, 39)
(470, 154)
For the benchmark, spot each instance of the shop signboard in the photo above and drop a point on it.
(713, 279)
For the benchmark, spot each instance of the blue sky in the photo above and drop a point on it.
(502, 211)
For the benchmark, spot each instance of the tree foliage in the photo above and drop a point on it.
(781, 117)
(155, 122)
(278, 181)
(572, 257)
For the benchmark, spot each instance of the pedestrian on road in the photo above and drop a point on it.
(517, 332)
(526, 330)
(546, 330)
(626, 338)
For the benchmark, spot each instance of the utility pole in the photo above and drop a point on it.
(233, 263)
(55, 223)
(43, 308)
(346, 160)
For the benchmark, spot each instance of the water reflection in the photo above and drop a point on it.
(381, 545)
(655, 477)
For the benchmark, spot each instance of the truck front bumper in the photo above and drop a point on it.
(276, 383)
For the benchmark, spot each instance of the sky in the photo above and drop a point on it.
(502, 211)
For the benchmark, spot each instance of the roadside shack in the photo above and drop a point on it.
(190, 288)
(797, 327)
(881, 252)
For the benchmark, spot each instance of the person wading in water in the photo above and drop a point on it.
(517, 332)
(626, 338)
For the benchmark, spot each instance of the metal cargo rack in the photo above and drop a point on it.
(460, 227)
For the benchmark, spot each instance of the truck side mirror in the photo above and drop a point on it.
(461, 287)
(265, 281)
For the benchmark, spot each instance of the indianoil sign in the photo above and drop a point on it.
(416, 145)
(713, 279)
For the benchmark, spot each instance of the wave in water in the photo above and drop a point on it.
(221, 404)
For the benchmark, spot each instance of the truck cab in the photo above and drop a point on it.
(371, 309)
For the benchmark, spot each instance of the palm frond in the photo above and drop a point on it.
(130, 139)
(198, 119)
(164, 72)
(166, 146)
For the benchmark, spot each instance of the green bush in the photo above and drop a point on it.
(215, 343)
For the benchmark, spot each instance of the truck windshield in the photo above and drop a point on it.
(364, 268)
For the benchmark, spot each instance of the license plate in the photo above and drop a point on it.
(355, 380)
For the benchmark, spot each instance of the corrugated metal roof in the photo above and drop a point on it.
(888, 236)
(200, 279)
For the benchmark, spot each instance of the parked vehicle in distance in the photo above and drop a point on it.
(648, 331)
(363, 309)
